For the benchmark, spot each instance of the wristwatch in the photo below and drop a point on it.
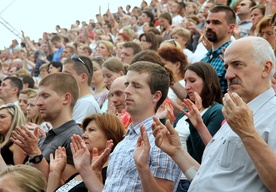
(36, 159)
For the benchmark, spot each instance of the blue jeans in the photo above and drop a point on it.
(183, 186)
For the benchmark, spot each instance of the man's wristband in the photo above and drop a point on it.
(191, 173)
(36, 159)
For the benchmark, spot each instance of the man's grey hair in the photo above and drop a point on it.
(262, 52)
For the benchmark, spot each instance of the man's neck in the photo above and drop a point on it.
(136, 119)
(60, 120)
(174, 14)
(85, 90)
(220, 43)
(10, 100)
(244, 17)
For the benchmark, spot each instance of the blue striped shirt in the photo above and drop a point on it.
(213, 58)
(122, 174)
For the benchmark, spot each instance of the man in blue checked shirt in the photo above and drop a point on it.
(220, 25)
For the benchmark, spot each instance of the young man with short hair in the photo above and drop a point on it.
(147, 86)
(10, 89)
(82, 70)
(58, 94)
(130, 49)
(220, 25)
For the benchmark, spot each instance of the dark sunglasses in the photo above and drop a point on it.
(9, 105)
(77, 58)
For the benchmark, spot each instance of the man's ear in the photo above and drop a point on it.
(15, 90)
(67, 97)
(267, 67)
(83, 77)
(157, 96)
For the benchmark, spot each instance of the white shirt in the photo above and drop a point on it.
(226, 165)
(177, 19)
(171, 95)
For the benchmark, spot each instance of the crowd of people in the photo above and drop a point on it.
(170, 96)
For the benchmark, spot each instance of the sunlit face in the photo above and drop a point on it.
(206, 8)
(243, 7)
(256, 16)
(66, 53)
(8, 184)
(193, 83)
(183, 22)
(50, 103)
(5, 121)
(127, 55)
(180, 40)
(109, 76)
(23, 99)
(119, 48)
(6, 90)
(32, 108)
(53, 69)
(97, 78)
(138, 93)
(57, 44)
(117, 93)
(175, 8)
(239, 63)
(93, 136)
(146, 27)
(119, 39)
(217, 27)
(268, 34)
(12, 71)
(103, 51)
(43, 73)
(144, 43)
(144, 18)
(164, 23)
(190, 9)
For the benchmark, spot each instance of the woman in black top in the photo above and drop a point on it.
(98, 129)
(11, 116)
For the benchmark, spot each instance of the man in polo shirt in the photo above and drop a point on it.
(58, 94)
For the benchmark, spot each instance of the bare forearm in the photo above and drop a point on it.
(54, 181)
(263, 159)
(43, 166)
(30, 44)
(204, 133)
(148, 181)
(179, 91)
(29, 63)
(50, 48)
(92, 182)
(184, 160)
